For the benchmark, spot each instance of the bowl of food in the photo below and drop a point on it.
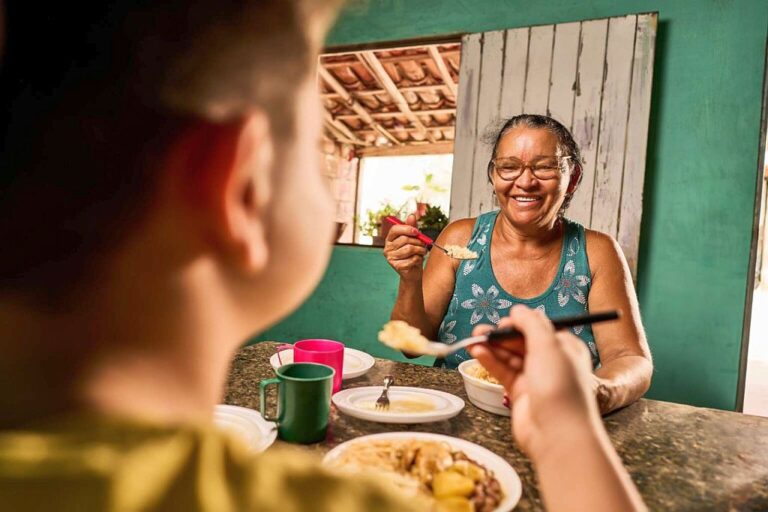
(483, 390)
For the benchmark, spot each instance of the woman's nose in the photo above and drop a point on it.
(526, 179)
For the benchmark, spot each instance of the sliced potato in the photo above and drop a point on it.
(451, 483)
(455, 504)
(466, 468)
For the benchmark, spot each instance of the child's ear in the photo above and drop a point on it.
(248, 193)
(227, 174)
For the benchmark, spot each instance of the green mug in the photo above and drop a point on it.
(303, 401)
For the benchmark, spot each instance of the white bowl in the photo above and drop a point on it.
(485, 395)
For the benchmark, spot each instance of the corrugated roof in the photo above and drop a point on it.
(394, 98)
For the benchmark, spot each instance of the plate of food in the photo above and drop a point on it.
(483, 390)
(247, 425)
(449, 473)
(356, 362)
(406, 405)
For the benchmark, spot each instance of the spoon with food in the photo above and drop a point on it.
(401, 336)
(406, 338)
(456, 252)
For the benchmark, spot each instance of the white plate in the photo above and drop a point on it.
(246, 424)
(504, 473)
(360, 403)
(356, 362)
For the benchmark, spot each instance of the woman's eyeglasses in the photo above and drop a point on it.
(510, 169)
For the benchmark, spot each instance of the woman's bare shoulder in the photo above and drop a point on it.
(457, 232)
(603, 251)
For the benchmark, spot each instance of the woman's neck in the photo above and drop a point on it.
(530, 241)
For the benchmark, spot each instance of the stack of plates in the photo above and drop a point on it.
(246, 424)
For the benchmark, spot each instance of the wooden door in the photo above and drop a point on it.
(594, 77)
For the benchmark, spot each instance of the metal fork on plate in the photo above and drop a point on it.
(382, 403)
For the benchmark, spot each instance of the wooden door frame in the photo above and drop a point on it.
(394, 44)
(752, 269)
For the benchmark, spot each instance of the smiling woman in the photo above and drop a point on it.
(528, 253)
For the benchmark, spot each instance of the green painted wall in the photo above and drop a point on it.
(351, 304)
(699, 193)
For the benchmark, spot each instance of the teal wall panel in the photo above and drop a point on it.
(350, 305)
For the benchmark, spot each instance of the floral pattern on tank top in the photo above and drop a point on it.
(479, 299)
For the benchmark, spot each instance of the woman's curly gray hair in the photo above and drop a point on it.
(567, 150)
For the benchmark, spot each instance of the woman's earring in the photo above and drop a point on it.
(575, 173)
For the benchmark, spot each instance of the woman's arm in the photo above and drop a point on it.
(626, 365)
(423, 295)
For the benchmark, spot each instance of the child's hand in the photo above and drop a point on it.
(549, 388)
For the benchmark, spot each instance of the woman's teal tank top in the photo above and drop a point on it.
(478, 298)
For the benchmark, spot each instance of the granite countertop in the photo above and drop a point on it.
(680, 457)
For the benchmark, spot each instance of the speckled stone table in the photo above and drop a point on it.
(680, 457)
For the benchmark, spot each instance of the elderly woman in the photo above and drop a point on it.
(528, 253)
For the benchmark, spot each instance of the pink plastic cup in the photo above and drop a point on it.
(327, 352)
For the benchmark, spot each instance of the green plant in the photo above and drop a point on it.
(371, 224)
(373, 218)
(428, 185)
(434, 218)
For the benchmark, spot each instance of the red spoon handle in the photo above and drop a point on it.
(421, 236)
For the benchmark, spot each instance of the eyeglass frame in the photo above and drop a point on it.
(527, 165)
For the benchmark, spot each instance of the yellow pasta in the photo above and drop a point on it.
(429, 470)
(479, 372)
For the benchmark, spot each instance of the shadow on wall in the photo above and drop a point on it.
(652, 159)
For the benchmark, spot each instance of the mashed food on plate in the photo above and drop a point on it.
(401, 336)
(401, 406)
(430, 470)
(460, 252)
(479, 372)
